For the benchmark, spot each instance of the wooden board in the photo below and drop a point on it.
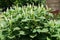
(54, 4)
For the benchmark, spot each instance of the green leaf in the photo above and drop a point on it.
(16, 28)
(11, 37)
(22, 33)
(51, 23)
(48, 38)
(34, 31)
(26, 27)
(38, 30)
(44, 30)
(33, 35)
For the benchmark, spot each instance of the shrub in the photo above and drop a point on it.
(29, 23)
(25, 2)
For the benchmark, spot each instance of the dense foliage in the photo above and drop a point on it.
(25, 2)
(29, 23)
(5, 3)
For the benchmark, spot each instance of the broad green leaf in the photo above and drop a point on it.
(34, 31)
(22, 33)
(33, 35)
(38, 30)
(16, 28)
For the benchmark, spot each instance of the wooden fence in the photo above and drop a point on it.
(54, 4)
